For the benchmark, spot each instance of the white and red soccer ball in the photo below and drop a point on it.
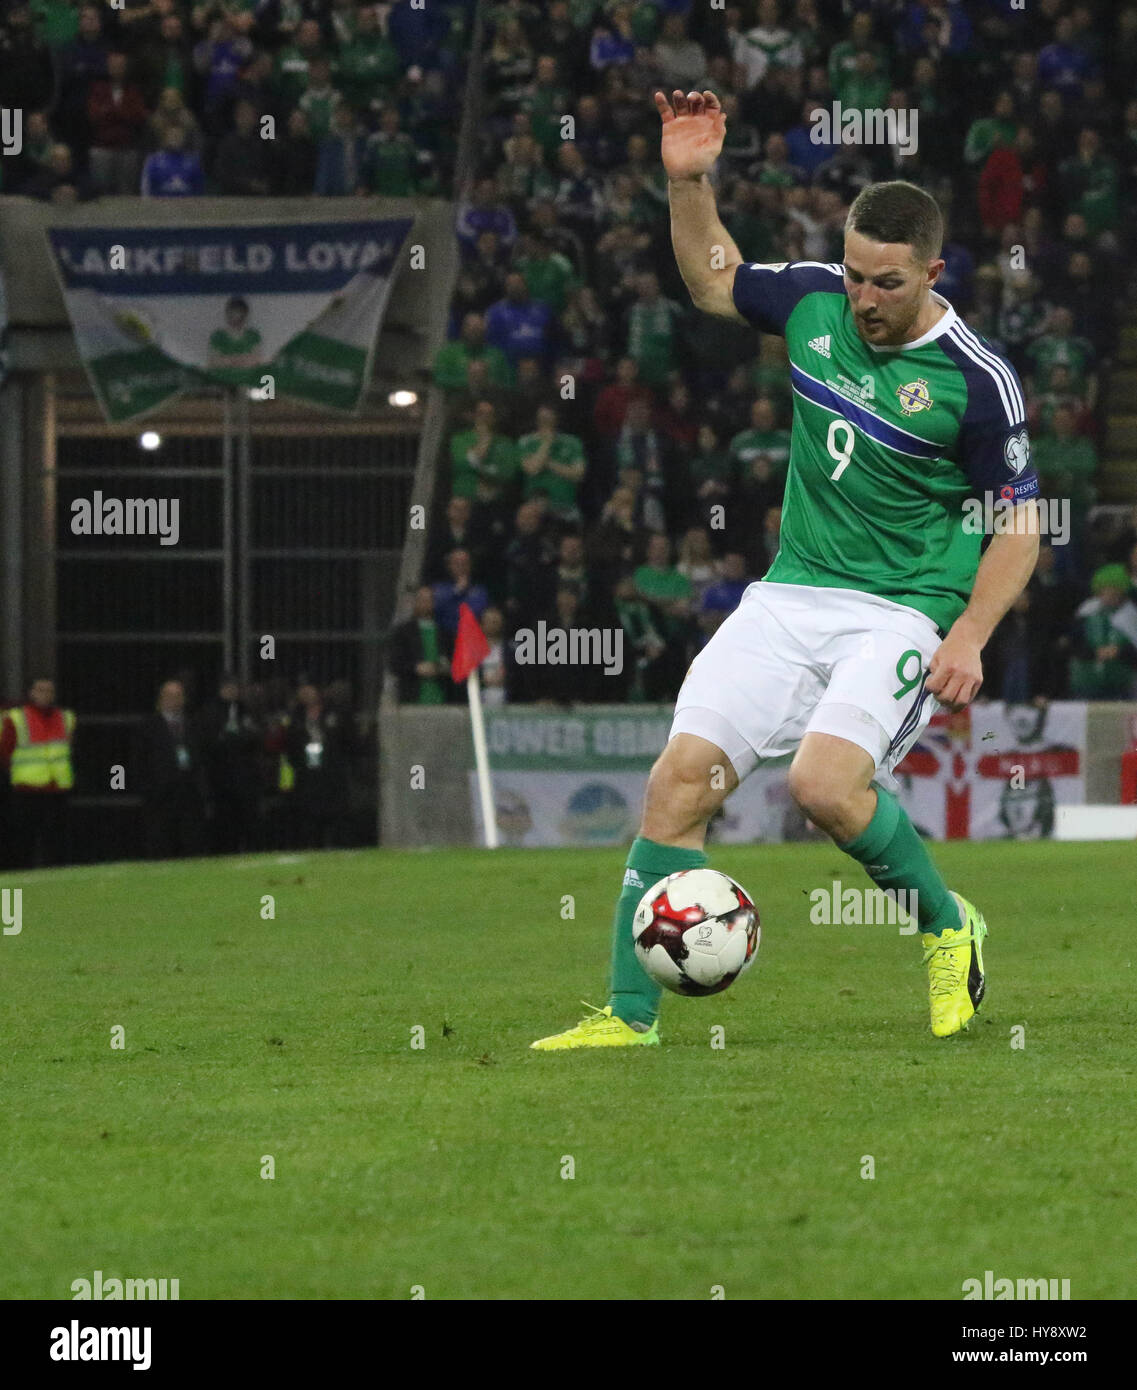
(696, 931)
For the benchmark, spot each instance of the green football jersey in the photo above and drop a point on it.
(887, 445)
(226, 344)
(754, 444)
(565, 449)
(1052, 350)
(224, 350)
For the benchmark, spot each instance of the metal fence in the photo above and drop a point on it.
(292, 531)
(325, 519)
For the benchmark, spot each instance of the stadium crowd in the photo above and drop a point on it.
(616, 457)
(170, 99)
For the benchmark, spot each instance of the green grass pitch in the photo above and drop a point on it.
(441, 1167)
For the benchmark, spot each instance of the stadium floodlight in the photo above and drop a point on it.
(403, 399)
(150, 439)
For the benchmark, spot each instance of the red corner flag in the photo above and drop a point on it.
(471, 648)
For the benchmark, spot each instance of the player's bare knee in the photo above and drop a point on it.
(821, 796)
(671, 805)
(681, 794)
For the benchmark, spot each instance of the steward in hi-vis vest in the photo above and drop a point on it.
(35, 746)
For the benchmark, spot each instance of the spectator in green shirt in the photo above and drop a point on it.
(526, 12)
(393, 164)
(742, 144)
(1067, 464)
(572, 570)
(1060, 345)
(660, 584)
(844, 57)
(523, 177)
(418, 653)
(368, 65)
(1023, 315)
(553, 463)
(1041, 407)
(56, 22)
(988, 133)
(581, 12)
(168, 61)
(712, 469)
(480, 387)
(668, 595)
(235, 350)
(770, 374)
(290, 70)
(509, 61)
(452, 360)
(1105, 643)
(1091, 184)
(762, 452)
(643, 164)
(531, 388)
(926, 90)
(483, 462)
(36, 153)
(653, 331)
(645, 643)
(748, 222)
(320, 99)
(547, 272)
(866, 89)
(546, 100)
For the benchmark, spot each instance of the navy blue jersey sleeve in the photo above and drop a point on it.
(765, 295)
(993, 448)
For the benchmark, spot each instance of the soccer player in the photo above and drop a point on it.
(235, 349)
(878, 604)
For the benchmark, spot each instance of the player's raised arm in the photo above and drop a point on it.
(693, 131)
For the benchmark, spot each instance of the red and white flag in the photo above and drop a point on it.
(470, 650)
(470, 647)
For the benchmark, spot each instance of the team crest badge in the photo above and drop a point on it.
(914, 396)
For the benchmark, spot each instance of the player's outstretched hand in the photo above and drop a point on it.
(955, 671)
(693, 131)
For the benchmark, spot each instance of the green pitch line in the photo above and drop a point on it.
(441, 1167)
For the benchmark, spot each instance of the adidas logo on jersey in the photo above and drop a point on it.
(632, 879)
(821, 345)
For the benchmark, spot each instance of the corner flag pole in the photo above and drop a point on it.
(481, 758)
(470, 650)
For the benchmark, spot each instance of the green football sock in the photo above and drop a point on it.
(894, 856)
(634, 994)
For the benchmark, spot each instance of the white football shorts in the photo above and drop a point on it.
(792, 660)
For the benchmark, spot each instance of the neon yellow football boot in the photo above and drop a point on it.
(956, 982)
(600, 1029)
